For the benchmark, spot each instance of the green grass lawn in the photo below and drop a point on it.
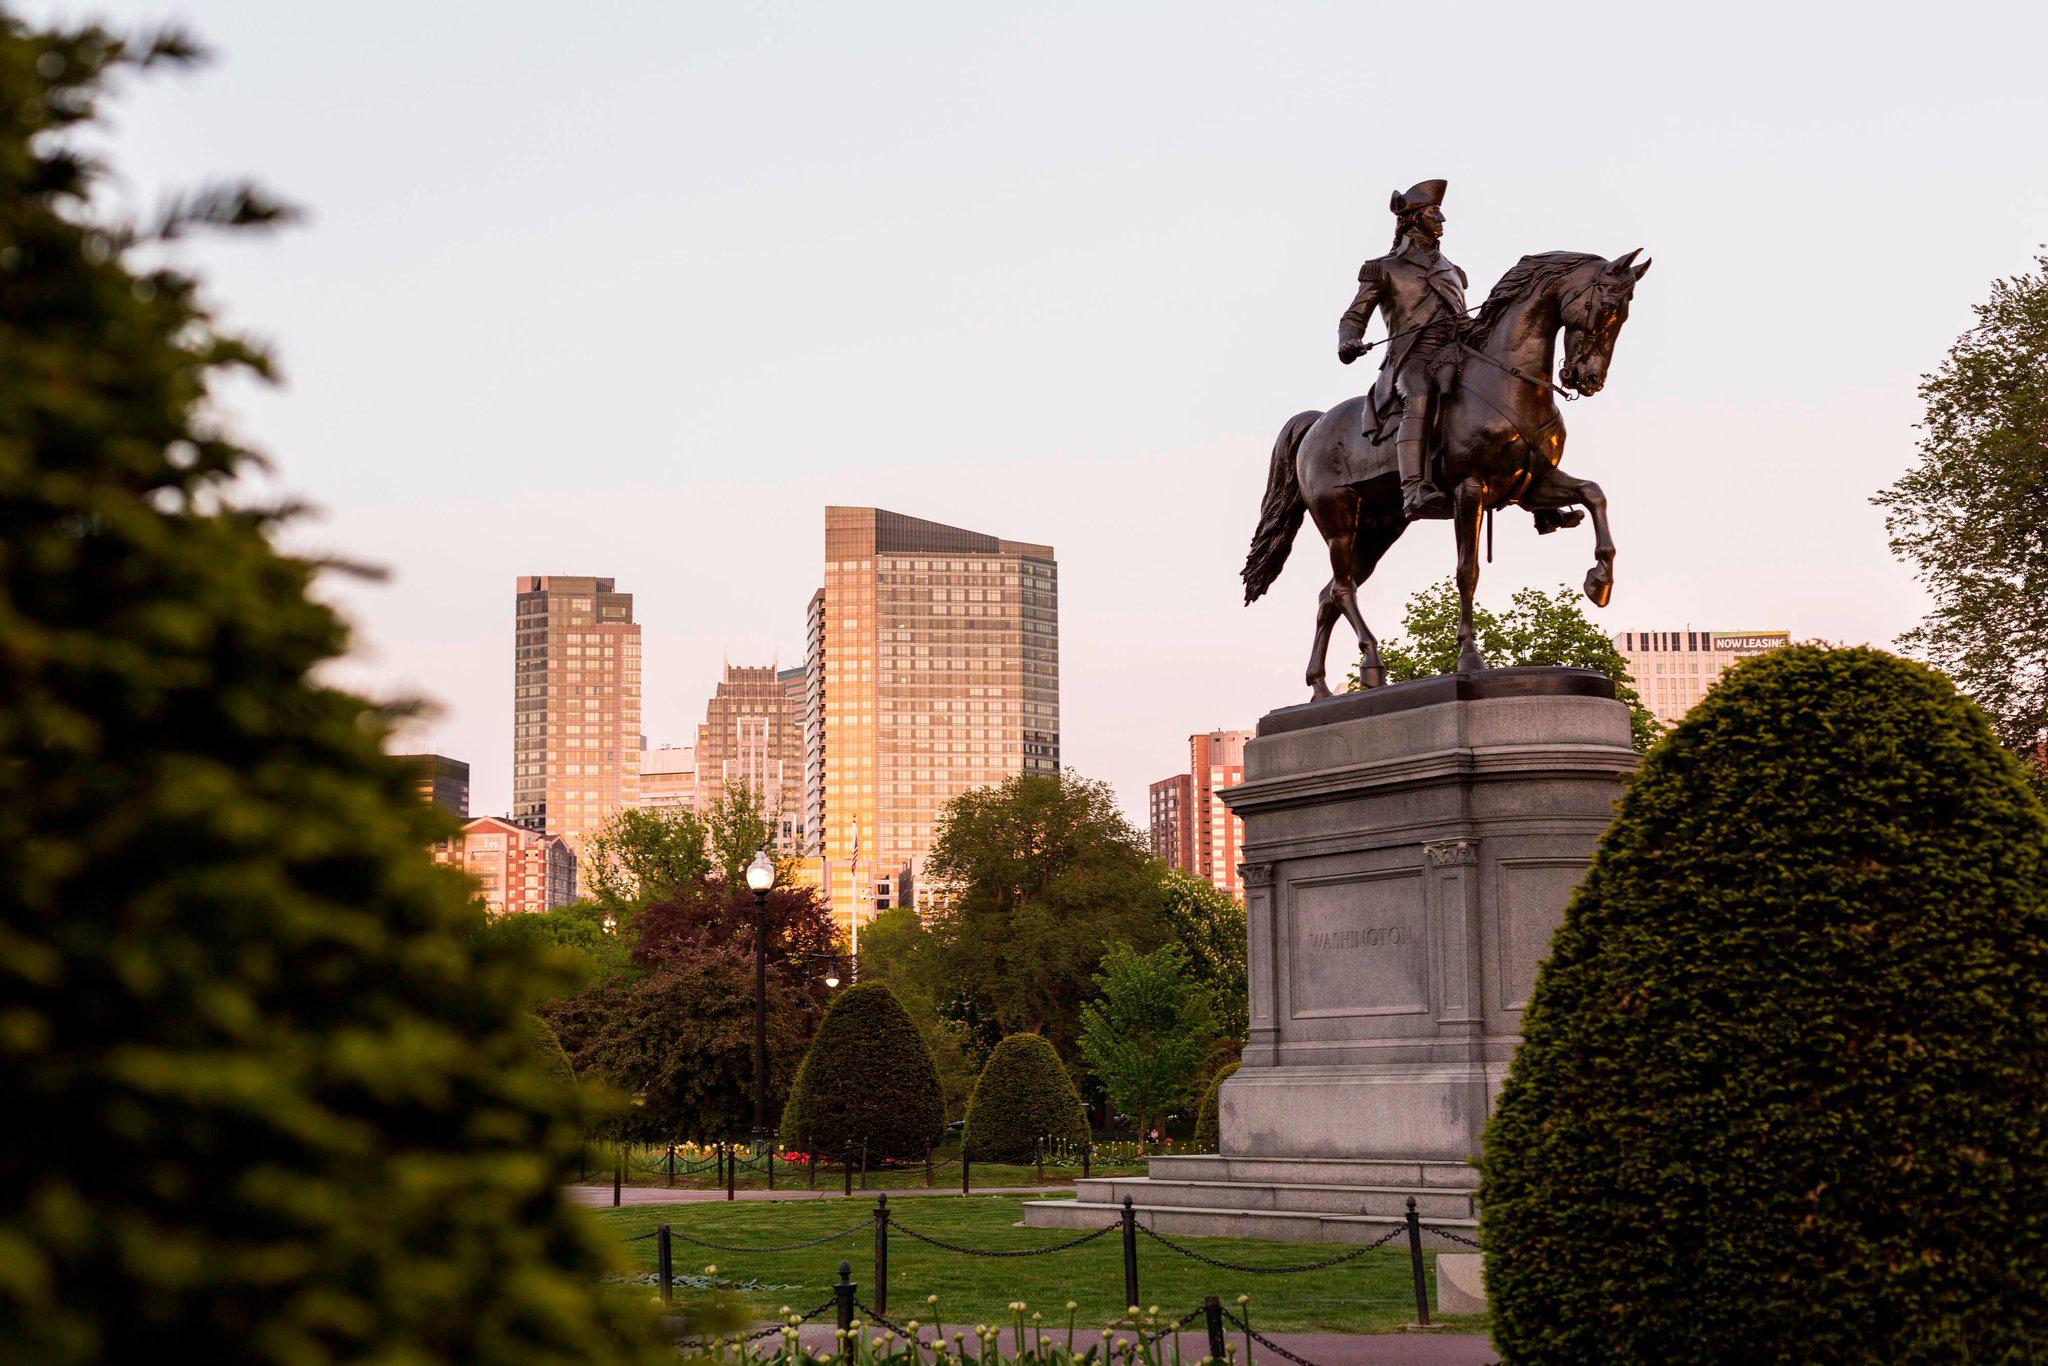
(1372, 1294)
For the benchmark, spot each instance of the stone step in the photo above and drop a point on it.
(1289, 1226)
(1278, 1195)
(1315, 1171)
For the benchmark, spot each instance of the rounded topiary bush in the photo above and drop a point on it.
(1208, 1127)
(868, 1079)
(1023, 1095)
(1783, 1087)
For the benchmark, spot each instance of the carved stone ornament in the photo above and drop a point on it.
(1255, 874)
(1452, 853)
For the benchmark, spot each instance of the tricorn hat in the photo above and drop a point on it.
(1422, 196)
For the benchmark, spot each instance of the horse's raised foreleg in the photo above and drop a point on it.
(1557, 490)
(1469, 509)
(1318, 653)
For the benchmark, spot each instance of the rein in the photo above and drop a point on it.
(1567, 395)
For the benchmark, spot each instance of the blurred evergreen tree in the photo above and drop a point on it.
(273, 1099)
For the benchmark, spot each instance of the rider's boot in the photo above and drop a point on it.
(1419, 498)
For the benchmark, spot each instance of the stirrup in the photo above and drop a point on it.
(1424, 500)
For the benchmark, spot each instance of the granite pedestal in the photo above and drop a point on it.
(1408, 853)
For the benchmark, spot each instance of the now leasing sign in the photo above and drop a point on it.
(1750, 642)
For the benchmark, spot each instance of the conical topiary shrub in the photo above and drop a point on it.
(868, 1079)
(271, 1103)
(1782, 1093)
(1208, 1119)
(1022, 1096)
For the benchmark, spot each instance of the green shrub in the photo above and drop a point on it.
(867, 1079)
(1208, 1120)
(1022, 1096)
(548, 1054)
(282, 1108)
(1783, 1088)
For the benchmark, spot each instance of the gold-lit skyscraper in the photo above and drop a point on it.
(934, 664)
(575, 705)
(753, 737)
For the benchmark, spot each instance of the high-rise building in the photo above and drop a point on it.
(1191, 828)
(933, 656)
(441, 781)
(814, 725)
(575, 705)
(517, 869)
(668, 779)
(753, 737)
(1674, 669)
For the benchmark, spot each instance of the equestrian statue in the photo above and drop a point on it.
(1461, 420)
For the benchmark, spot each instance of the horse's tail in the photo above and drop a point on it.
(1280, 515)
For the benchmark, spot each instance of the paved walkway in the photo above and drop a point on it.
(600, 1197)
(1323, 1349)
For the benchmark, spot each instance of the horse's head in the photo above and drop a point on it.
(1592, 317)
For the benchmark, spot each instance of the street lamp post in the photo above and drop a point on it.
(760, 877)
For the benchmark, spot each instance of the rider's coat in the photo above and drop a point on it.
(1412, 288)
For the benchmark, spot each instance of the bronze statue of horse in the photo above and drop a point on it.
(1498, 441)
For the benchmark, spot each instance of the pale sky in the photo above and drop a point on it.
(636, 289)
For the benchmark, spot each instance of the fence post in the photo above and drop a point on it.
(664, 1264)
(732, 1162)
(965, 1162)
(718, 1156)
(927, 1166)
(1040, 1154)
(1212, 1311)
(863, 1164)
(1087, 1151)
(848, 1189)
(671, 1164)
(773, 1143)
(1415, 1264)
(843, 1293)
(811, 1161)
(618, 1173)
(1130, 1254)
(882, 1254)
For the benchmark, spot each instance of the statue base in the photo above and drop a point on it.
(1408, 851)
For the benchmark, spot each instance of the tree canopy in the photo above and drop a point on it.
(1972, 514)
(272, 1099)
(1039, 875)
(642, 855)
(1148, 1036)
(1209, 923)
(1537, 628)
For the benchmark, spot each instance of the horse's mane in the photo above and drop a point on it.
(1525, 277)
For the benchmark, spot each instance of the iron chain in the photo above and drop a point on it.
(894, 1328)
(756, 1336)
(1351, 1256)
(1018, 1252)
(1266, 1342)
(1446, 1233)
(783, 1247)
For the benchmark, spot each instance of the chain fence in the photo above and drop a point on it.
(883, 1220)
(1006, 1252)
(1275, 1348)
(1207, 1260)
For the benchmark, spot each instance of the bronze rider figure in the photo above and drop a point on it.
(1422, 295)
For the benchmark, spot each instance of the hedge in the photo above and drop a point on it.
(867, 1083)
(1208, 1120)
(1783, 1086)
(1023, 1095)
